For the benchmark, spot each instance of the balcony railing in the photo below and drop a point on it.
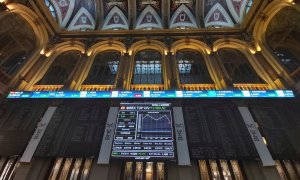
(198, 87)
(146, 87)
(251, 86)
(47, 87)
(97, 87)
(296, 74)
(4, 77)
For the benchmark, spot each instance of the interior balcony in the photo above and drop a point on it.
(262, 87)
(197, 87)
(47, 87)
(146, 87)
(97, 87)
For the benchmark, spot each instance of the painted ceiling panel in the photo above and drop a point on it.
(149, 14)
(175, 4)
(114, 14)
(149, 19)
(183, 18)
(108, 5)
(142, 4)
(217, 16)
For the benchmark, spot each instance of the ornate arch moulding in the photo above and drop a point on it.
(64, 47)
(104, 46)
(148, 44)
(233, 43)
(191, 44)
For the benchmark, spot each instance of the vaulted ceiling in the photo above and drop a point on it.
(75, 15)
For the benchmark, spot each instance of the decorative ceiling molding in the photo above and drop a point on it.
(237, 9)
(82, 20)
(64, 10)
(142, 4)
(148, 14)
(175, 4)
(149, 19)
(183, 17)
(217, 16)
(115, 19)
(108, 5)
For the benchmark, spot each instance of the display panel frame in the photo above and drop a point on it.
(171, 136)
(151, 94)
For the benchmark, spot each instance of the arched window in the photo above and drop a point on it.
(248, 6)
(51, 8)
(192, 68)
(61, 68)
(18, 41)
(13, 63)
(148, 69)
(287, 59)
(238, 67)
(104, 68)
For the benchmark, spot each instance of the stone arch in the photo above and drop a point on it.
(190, 44)
(148, 44)
(53, 54)
(94, 50)
(33, 20)
(270, 11)
(41, 37)
(248, 51)
(200, 47)
(145, 45)
(259, 35)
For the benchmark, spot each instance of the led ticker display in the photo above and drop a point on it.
(155, 94)
(144, 131)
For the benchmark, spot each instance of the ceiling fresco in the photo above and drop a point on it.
(73, 15)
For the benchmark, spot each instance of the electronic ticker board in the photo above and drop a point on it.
(154, 94)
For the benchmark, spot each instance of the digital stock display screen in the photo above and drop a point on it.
(144, 131)
(154, 94)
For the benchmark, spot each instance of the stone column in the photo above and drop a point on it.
(78, 70)
(172, 71)
(283, 76)
(121, 76)
(224, 81)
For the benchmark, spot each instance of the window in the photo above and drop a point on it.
(192, 68)
(238, 67)
(287, 59)
(104, 69)
(148, 69)
(61, 69)
(13, 63)
(248, 6)
(51, 8)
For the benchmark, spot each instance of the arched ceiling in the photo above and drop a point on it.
(284, 26)
(147, 14)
